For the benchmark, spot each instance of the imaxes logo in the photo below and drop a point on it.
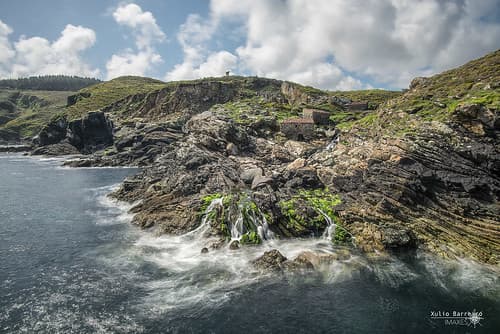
(457, 318)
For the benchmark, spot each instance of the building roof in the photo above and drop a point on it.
(298, 121)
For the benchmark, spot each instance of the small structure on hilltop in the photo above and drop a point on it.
(298, 128)
(357, 106)
(318, 116)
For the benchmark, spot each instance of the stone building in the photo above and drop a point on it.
(298, 128)
(318, 116)
(357, 106)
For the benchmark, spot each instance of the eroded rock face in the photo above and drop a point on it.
(91, 133)
(438, 187)
(53, 133)
(62, 148)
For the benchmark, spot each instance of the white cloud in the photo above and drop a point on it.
(335, 43)
(143, 24)
(146, 32)
(6, 51)
(39, 56)
(130, 63)
(215, 65)
(198, 61)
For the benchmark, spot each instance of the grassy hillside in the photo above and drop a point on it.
(103, 94)
(24, 113)
(437, 97)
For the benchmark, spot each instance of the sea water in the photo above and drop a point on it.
(71, 262)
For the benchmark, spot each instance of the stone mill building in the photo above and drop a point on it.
(304, 128)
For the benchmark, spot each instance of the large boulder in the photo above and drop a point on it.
(91, 133)
(52, 133)
(270, 261)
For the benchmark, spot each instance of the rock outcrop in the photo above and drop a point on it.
(91, 133)
(421, 171)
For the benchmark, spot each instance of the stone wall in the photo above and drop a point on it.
(318, 116)
(298, 130)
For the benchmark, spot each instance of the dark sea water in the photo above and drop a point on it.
(70, 262)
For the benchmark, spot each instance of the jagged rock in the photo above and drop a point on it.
(63, 148)
(305, 177)
(261, 181)
(296, 164)
(235, 244)
(270, 261)
(53, 133)
(300, 263)
(15, 148)
(93, 132)
(248, 175)
(298, 149)
(231, 149)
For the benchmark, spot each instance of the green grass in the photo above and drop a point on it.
(299, 219)
(374, 96)
(29, 119)
(106, 93)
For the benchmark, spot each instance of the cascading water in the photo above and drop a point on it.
(330, 228)
(335, 140)
(243, 218)
(250, 218)
(201, 231)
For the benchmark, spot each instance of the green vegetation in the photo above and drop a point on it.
(24, 113)
(436, 98)
(250, 110)
(250, 238)
(373, 96)
(106, 93)
(297, 212)
(234, 207)
(49, 82)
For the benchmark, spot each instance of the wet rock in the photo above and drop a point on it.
(235, 244)
(310, 260)
(63, 148)
(300, 263)
(270, 261)
(204, 250)
(305, 177)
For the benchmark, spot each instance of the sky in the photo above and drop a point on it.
(329, 44)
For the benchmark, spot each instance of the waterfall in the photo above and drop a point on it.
(330, 228)
(204, 227)
(243, 218)
(335, 140)
(253, 216)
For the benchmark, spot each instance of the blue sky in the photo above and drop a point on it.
(333, 44)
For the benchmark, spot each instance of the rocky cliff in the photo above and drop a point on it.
(420, 171)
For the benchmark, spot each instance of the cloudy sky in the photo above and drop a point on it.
(332, 44)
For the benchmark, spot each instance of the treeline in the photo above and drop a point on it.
(49, 82)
